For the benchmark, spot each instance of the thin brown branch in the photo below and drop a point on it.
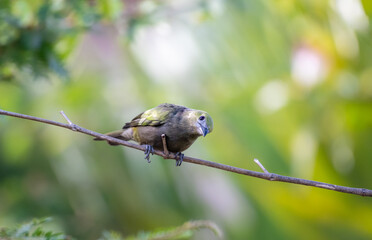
(264, 175)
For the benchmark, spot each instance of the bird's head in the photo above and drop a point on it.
(203, 122)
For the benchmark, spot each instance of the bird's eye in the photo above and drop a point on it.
(201, 118)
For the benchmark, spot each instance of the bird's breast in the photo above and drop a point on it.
(178, 138)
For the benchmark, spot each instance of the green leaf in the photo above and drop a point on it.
(184, 231)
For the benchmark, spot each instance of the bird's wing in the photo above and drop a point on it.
(155, 116)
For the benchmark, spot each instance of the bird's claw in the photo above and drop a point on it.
(179, 158)
(149, 150)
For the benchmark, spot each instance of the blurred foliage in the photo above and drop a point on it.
(37, 36)
(35, 230)
(31, 230)
(186, 231)
(287, 82)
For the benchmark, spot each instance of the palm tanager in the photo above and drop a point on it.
(180, 125)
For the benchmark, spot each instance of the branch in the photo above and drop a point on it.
(264, 175)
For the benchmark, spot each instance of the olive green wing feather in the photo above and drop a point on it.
(155, 116)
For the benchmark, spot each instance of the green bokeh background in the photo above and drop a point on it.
(288, 82)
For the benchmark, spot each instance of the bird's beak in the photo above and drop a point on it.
(204, 130)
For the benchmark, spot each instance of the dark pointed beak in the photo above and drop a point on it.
(204, 129)
(205, 132)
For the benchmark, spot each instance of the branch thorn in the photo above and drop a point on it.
(73, 126)
(260, 165)
(164, 140)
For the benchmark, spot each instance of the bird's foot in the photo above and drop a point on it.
(179, 158)
(149, 150)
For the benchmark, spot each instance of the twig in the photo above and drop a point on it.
(267, 176)
(260, 165)
(67, 119)
(164, 140)
(73, 126)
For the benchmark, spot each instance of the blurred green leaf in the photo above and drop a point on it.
(185, 231)
(28, 231)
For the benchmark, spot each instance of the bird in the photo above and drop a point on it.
(180, 125)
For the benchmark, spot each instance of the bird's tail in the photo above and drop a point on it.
(116, 134)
